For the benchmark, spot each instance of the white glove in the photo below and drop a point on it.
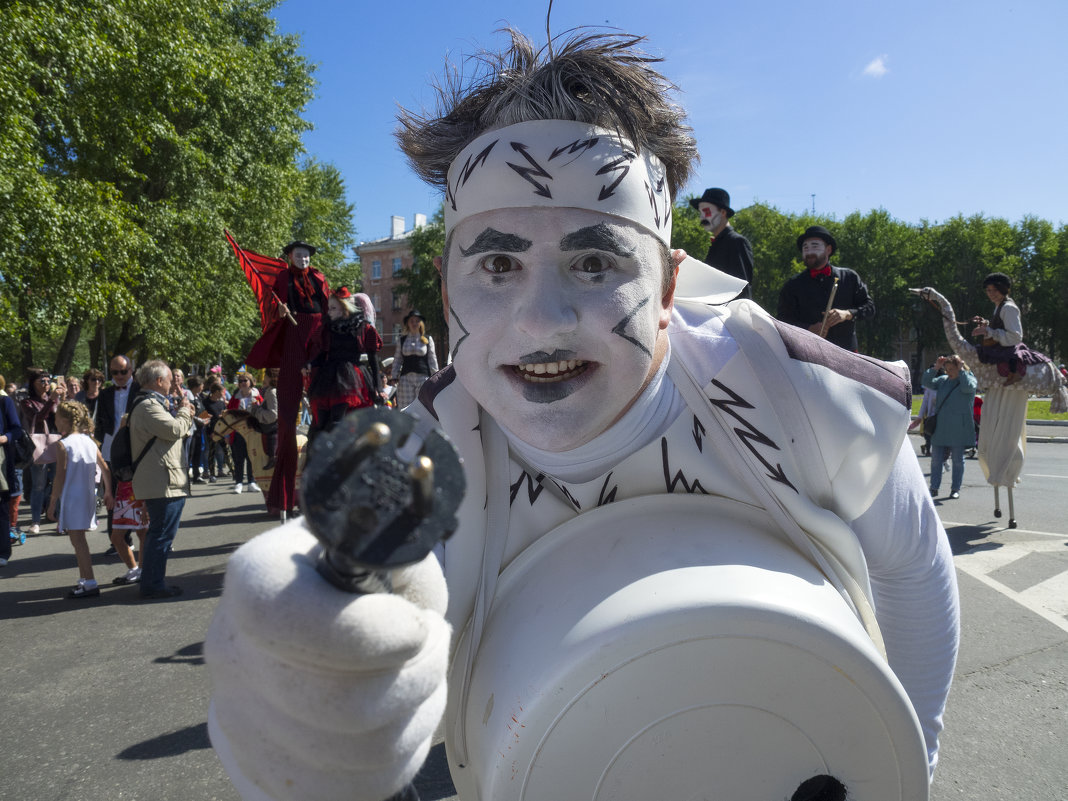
(318, 693)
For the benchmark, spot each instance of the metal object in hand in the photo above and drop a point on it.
(379, 496)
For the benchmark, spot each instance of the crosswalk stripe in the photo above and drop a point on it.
(1048, 599)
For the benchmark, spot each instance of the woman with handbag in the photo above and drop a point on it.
(38, 418)
(954, 428)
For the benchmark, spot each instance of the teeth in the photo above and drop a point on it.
(550, 368)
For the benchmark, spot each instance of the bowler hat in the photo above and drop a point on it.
(818, 232)
(296, 243)
(717, 197)
(411, 314)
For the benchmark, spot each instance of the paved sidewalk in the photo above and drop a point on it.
(106, 698)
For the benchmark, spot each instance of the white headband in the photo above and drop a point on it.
(558, 163)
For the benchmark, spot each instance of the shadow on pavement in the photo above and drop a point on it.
(192, 654)
(52, 600)
(963, 539)
(191, 738)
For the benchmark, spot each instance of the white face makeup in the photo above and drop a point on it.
(815, 252)
(712, 219)
(557, 319)
(300, 258)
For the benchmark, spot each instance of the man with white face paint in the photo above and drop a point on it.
(290, 343)
(803, 300)
(601, 385)
(729, 251)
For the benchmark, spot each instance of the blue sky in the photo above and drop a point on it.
(926, 109)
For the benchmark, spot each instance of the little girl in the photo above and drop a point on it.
(78, 463)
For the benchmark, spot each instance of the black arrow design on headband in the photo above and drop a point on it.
(621, 327)
(577, 147)
(652, 200)
(623, 165)
(533, 169)
(468, 168)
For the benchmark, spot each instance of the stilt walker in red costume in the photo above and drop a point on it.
(290, 341)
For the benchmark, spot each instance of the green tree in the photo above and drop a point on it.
(134, 132)
(422, 284)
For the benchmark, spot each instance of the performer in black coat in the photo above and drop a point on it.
(803, 299)
(729, 251)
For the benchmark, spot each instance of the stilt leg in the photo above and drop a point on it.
(997, 503)
(282, 516)
(1012, 512)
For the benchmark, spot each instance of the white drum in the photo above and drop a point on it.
(672, 648)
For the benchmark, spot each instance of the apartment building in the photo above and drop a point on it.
(384, 262)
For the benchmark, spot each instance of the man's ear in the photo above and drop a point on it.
(444, 289)
(667, 300)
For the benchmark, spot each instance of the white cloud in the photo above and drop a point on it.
(876, 67)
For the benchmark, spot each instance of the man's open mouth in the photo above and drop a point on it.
(551, 372)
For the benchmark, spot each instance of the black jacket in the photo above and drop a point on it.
(730, 253)
(803, 299)
(105, 409)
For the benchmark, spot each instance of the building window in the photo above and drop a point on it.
(396, 301)
(397, 266)
(376, 270)
(376, 302)
(396, 333)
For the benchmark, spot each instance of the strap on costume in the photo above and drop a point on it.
(495, 448)
(806, 544)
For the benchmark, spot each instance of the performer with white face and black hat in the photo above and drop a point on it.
(303, 294)
(824, 298)
(729, 251)
(695, 555)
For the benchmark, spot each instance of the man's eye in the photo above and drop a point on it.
(499, 264)
(592, 263)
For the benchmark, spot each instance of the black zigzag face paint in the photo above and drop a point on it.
(557, 314)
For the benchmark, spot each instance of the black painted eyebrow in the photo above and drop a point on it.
(492, 240)
(596, 237)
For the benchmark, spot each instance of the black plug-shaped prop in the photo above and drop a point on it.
(379, 496)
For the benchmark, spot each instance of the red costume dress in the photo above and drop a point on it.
(291, 347)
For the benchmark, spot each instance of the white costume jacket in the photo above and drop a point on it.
(802, 425)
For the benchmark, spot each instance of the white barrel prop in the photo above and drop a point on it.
(673, 648)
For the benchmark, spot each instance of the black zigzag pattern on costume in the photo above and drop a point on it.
(577, 148)
(568, 495)
(698, 434)
(679, 478)
(622, 164)
(750, 435)
(465, 172)
(534, 169)
(652, 193)
(603, 498)
(532, 492)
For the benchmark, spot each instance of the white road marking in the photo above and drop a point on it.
(1048, 599)
(1041, 475)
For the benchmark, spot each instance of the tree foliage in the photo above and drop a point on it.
(135, 132)
(422, 285)
(891, 256)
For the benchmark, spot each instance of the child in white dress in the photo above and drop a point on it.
(78, 463)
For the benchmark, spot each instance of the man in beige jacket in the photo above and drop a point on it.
(161, 479)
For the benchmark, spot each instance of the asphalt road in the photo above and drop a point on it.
(106, 699)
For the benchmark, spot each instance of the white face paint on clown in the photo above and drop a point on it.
(558, 318)
(713, 218)
(300, 258)
(815, 253)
